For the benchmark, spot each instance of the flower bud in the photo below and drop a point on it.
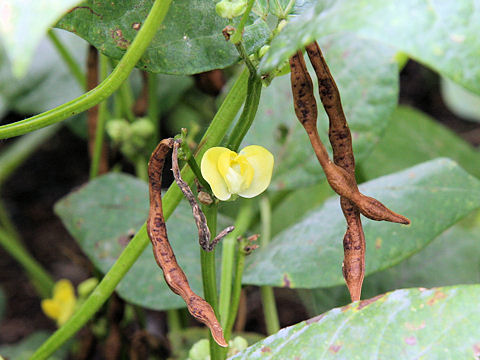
(231, 8)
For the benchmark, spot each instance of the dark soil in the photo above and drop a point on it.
(61, 164)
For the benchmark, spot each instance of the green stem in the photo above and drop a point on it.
(126, 100)
(268, 297)
(104, 89)
(6, 223)
(194, 166)
(214, 134)
(209, 277)
(237, 289)
(248, 113)
(237, 36)
(243, 54)
(102, 119)
(153, 113)
(14, 155)
(75, 69)
(141, 168)
(40, 278)
(242, 223)
(174, 327)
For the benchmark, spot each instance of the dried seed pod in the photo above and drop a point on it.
(157, 231)
(340, 173)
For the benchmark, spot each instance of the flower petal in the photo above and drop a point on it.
(63, 291)
(262, 162)
(210, 172)
(51, 308)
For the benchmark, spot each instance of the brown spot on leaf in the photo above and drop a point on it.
(411, 340)
(120, 41)
(413, 327)
(345, 308)
(335, 348)
(378, 243)
(314, 319)
(286, 281)
(136, 26)
(266, 349)
(367, 302)
(437, 296)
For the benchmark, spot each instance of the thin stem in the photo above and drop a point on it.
(268, 297)
(174, 327)
(15, 154)
(6, 222)
(102, 119)
(237, 288)
(242, 223)
(75, 69)
(243, 54)
(209, 273)
(126, 100)
(194, 166)
(102, 91)
(237, 36)
(152, 112)
(40, 278)
(141, 168)
(248, 113)
(212, 137)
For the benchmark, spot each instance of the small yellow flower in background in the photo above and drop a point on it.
(247, 173)
(62, 305)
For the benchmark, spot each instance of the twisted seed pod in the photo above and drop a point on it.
(157, 232)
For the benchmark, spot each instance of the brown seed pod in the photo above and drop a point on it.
(157, 231)
(340, 173)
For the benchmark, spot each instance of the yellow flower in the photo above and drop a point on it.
(62, 305)
(247, 173)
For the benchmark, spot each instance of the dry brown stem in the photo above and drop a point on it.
(157, 231)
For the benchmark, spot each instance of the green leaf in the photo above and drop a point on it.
(189, 41)
(103, 216)
(367, 77)
(457, 250)
(24, 349)
(442, 35)
(460, 101)
(413, 137)
(433, 195)
(24, 23)
(439, 323)
(48, 82)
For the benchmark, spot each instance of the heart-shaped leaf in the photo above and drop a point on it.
(189, 41)
(433, 195)
(440, 323)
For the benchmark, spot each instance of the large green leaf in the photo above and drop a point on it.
(413, 137)
(440, 34)
(189, 41)
(103, 215)
(24, 23)
(433, 195)
(48, 82)
(457, 249)
(367, 78)
(439, 323)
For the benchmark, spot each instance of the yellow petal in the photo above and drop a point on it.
(261, 161)
(67, 309)
(63, 290)
(211, 173)
(51, 308)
